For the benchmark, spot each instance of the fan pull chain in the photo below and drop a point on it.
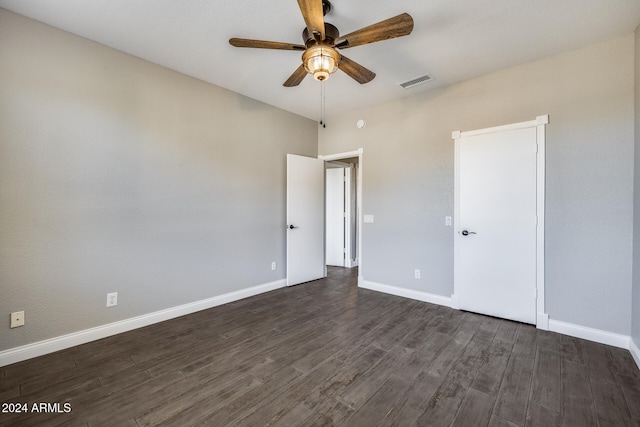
(321, 105)
(323, 118)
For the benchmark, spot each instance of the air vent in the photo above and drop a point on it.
(417, 81)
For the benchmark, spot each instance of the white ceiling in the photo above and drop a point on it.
(451, 40)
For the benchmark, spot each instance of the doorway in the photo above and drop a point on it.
(341, 213)
(499, 221)
(353, 202)
(305, 204)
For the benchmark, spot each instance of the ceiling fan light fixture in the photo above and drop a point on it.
(321, 61)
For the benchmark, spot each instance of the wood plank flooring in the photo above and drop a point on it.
(328, 353)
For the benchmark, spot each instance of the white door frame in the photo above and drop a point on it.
(542, 318)
(349, 259)
(346, 155)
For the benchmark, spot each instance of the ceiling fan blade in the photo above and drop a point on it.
(296, 78)
(313, 15)
(263, 44)
(397, 26)
(355, 70)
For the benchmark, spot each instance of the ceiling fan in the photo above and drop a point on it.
(320, 56)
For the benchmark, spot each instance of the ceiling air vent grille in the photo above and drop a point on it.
(417, 81)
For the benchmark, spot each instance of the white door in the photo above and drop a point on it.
(335, 216)
(305, 219)
(496, 228)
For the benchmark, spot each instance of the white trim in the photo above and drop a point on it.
(543, 120)
(539, 121)
(340, 156)
(570, 329)
(456, 220)
(591, 334)
(542, 318)
(635, 351)
(455, 302)
(359, 197)
(348, 256)
(51, 345)
(405, 293)
(542, 321)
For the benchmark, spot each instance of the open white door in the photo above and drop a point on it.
(305, 219)
(497, 222)
(335, 216)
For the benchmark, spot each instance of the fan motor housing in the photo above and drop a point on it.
(331, 33)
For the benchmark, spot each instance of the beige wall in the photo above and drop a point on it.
(117, 175)
(408, 177)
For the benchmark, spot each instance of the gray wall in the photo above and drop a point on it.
(408, 177)
(635, 307)
(117, 175)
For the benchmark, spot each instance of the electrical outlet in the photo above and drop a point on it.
(273, 266)
(112, 299)
(416, 273)
(17, 319)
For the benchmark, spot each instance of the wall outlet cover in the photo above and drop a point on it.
(112, 299)
(17, 319)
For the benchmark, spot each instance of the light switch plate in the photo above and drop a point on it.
(368, 219)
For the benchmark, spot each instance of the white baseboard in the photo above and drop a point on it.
(596, 335)
(455, 302)
(591, 334)
(635, 351)
(51, 345)
(542, 321)
(403, 292)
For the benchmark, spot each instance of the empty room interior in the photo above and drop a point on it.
(417, 213)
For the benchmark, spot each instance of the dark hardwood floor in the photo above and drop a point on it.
(328, 353)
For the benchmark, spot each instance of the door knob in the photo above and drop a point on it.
(291, 227)
(466, 233)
